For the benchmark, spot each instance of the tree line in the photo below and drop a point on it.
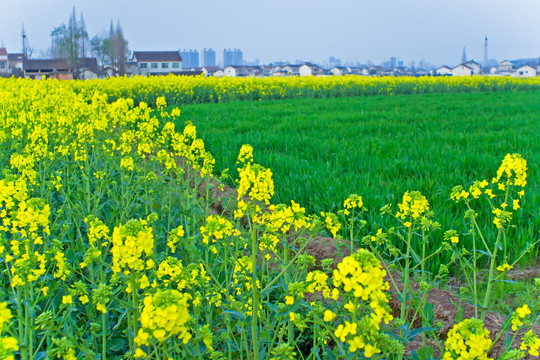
(71, 42)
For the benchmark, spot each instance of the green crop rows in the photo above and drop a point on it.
(322, 150)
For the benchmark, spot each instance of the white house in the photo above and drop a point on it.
(339, 71)
(309, 69)
(506, 67)
(443, 70)
(15, 63)
(209, 70)
(158, 62)
(291, 70)
(475, 67)
(462, 70)
(241, 71)
(525, 71)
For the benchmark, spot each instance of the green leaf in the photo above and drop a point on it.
(115, 345)
(429, 314)
(425, 353)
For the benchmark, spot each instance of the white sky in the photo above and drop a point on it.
(310, 30)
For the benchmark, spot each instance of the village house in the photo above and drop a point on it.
(241, 71)
(462, 70)
(506, 67)
(291, 70)
(15, 64)
(219, 73)
(309, 69)
(475, 67)
(443, 71)
(90, 69)
(210, 70)
(279, 71)
(525, 71)
(357, 70)
(47, 68)
(375, 70)
(339, 71)
(157, 62)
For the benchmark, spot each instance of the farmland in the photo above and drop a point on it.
(322, 151)
(119, 238)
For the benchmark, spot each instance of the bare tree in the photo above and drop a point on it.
(69, 42)
(118, 49)
(100, 48)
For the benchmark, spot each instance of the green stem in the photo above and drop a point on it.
(104, 337)
(255, 296)
(406, 278)
(490, 277)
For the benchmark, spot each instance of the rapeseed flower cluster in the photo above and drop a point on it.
(164, 314)
(331, 222)
(359, 279)
(467, 340)
(352, 202)
(8, 344)
(256, 182)
(519, 315)
(217, 228)
(412, 208)
(531, 343)
(132, 243)
(282, 218)
(514, 169)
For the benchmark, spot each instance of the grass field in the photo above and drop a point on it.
(322, 150)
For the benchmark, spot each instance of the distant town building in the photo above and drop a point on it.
(47, 68)
(208, 57)
(291, 70)
(525, 71)
(157, 62)
(462, 70)
(443, 71)
(232, 57)
(476, 67)
(309, 69)
(210, 70)
(339, 71)
(90, 69)
(190, 58)
(242, 71)
(506, 67)
(15, 64)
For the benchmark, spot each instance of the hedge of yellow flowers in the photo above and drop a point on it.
(111, 247)
(177, 90)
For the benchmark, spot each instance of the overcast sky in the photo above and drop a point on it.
(311, 30)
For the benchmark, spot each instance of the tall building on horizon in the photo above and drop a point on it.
(208, 57)
(190, 58)
(232, 57)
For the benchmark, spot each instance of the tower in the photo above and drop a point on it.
(486, 55)
(24, 45)
(464, 56)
